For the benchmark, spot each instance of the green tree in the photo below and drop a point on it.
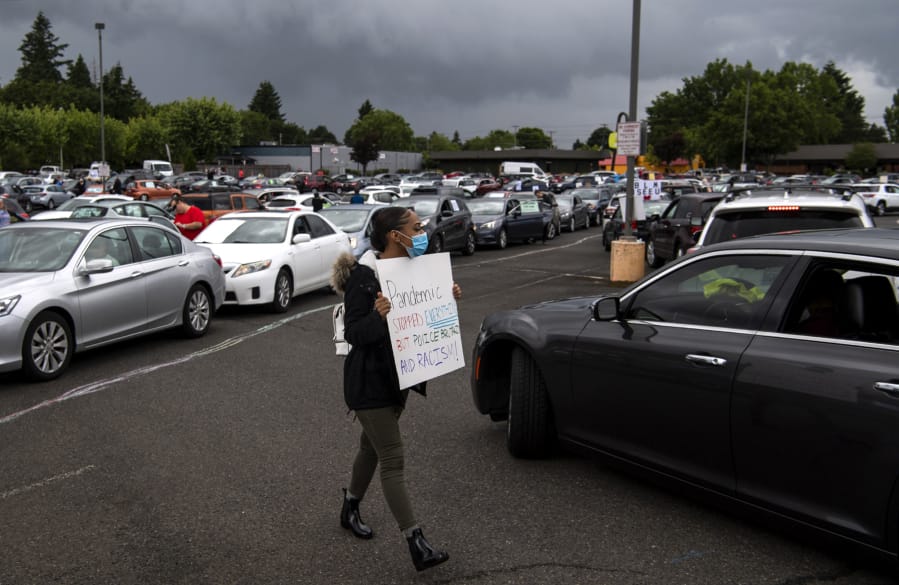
(145, 138)
(267, 102)
(456, 140)
(200, 128)
(599, 138)
(255, 128)
(41, 53)
(862, 158)
(365, 109)
(501, 138)
(530, 137)
(121, 98)
(670, 148)
(378, 130)
(321, 135)
(289, 133)
(79, 75)
(891, 118)
(435, 141)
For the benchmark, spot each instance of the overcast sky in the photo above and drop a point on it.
(458, 65)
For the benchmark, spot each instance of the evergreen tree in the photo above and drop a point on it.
(79, 75)
(365, 109)
(41, 53)
(849, 107)
(267, 102)
(121, 98)
(891, 118)
(321, 135)
(456, 140)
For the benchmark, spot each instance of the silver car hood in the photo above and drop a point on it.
(23, 282)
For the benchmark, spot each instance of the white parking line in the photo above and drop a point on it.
(43, 482)
(105, 384)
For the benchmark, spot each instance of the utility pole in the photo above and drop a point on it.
(100, 26)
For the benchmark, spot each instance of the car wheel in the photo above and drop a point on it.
(571, 226)
(587, 223)
(502, 240)
(48, 346)
(144, 197)
(471, 242)
(29, 207)
(550, 231)
(52, 205)
(529, 428)
(605, 242)
(881, 208)
(651, 258)
(437, 246)
(283, 291)
(197, 312)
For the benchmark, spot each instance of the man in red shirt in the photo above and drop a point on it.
(189, 219)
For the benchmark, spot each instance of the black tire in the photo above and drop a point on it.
(551, 232)
(587, 223)
(502, 240)
(606, 243)
(651, 257)
(471, 243)
(197, 312)
(881, 208)
(530, 432)
(144, 197)
(437, 246)
(283, 292)
(571, 225)
(48, 347)
(51, 205)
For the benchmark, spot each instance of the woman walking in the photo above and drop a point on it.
(371, 385)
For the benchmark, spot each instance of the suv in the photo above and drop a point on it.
(879, 197)
(447, 221)
(214, 205)
(672, 233)
(765, 211)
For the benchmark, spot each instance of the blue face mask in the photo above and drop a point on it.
(419, 245)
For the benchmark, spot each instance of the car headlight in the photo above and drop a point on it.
(251, 267)
(425, 221)
(489, 225)
(7, 304)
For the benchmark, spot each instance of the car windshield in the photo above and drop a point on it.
(740, 224)
(487, 206)
(564, 204)
(245, 230)
(349, 220)
(423, 207)
(37, 250)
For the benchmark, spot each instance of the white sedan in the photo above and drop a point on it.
(271, 256)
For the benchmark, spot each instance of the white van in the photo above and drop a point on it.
(522, 168)
(159, 168)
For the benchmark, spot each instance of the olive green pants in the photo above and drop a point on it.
(381, 443)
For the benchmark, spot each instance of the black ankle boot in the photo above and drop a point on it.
(424, 556)
(350, 518)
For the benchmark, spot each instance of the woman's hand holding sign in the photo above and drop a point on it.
(382, 306)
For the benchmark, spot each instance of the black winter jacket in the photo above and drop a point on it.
(369, 374)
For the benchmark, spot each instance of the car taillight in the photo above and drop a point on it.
(634, 225)
(783, 208)
(218, 260)
(695, 229)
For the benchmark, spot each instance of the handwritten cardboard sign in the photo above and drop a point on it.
(423, 318)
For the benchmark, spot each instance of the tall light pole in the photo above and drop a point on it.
(100, 26)
(632, 116)
(745, 122)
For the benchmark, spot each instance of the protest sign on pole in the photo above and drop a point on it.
(423, 318)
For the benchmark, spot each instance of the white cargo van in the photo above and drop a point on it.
(159, 168)
(522, 168)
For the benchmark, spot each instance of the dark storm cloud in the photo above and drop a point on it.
(466, 65)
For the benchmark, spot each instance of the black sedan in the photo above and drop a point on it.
(499, 221)
(574, 212)
(447, 221)
(764, 371)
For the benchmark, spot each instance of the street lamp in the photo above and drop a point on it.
(100, 26)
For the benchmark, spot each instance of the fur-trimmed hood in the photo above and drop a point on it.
(343, 266)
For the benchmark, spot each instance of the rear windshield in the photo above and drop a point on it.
(730, 226)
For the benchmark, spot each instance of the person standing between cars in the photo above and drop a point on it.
(117, 186)
(318, 202)
(357, 197)
(189, 219)
(370, 383)
(4, 215)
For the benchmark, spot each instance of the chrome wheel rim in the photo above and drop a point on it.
(283, 290)
(198, 311)
(49, 347)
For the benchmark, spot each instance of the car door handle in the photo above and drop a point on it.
(706, 360)
(887, 388)
(183, 262)
(136, 274)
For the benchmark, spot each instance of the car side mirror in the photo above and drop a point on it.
(607, 309)
(301, 238)
(97, 266)
(446, 213)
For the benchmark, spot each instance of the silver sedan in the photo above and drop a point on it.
(72, 285)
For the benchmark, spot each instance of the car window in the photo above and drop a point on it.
(251, 203)
(204, 203)
(152, 243)
(110, 245)
(722, 291)
(318, 227)
(671, 210)
(846, 300)
(130, 210)
(221, 202)
(740, 224)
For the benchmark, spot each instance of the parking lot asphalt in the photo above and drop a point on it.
(220, 460)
